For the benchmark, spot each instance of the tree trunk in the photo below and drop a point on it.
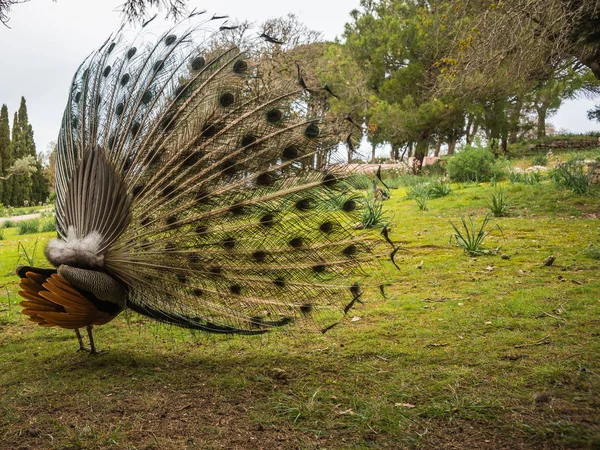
(541, 122)
(373, 147)
(468, 135)
(451, 146)
(515, 118)
(504, 143)
(438, 146)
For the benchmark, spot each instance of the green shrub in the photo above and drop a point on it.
(474, 164)
(439, 188)
(571, 175)
(28, 226)
(48, 225)
(7, 224)
(526, 178)
(540, 160)
(417, 191)
(435, 170)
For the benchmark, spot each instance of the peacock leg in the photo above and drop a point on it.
(93, 350)
(82, 348)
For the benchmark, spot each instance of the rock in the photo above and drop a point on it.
(549, 261)
(505, 256)
(542, 397)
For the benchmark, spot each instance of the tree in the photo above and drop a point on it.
(5, 154)
(133, 10)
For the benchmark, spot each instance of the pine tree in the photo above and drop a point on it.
(22, 145)
(5, 155)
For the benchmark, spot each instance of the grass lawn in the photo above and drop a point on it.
(466, 352)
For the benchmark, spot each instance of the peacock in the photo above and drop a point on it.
(188, 191)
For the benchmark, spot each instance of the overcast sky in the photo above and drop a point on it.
(48, 40)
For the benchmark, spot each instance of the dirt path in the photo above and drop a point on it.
(23, 217)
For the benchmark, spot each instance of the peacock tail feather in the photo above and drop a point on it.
(185, 171)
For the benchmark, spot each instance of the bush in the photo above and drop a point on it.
(474, 164)
(436, 170)
(571, 175)
(48, 225)
(28, 226)
(7, 224)
(439, 188)
(526, 178)
(540, 160)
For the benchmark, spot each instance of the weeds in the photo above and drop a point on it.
(8, 224)
(24, 254)
(28, 226)
(571, 175)
(48, 225)
(374, 216)
(470, 238)
(534, 177)
(498, 203)
(592, 252)
(439, 189)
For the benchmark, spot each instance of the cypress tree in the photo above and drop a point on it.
(5, 155)
(22, 145)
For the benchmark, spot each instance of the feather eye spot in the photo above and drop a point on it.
(319, 268)
(106, 71)
(111, 47)
(235, 289)
(78, 97)
(170, 247)
(349, 205)
(135, 128)
(131, 52)
(145, 221)
(326, 227)
(210, 129)
(237, 210)
(248, 140)
(289, 153)
(296, 242)
(198, 292)
(228, 243)
(279, 282)
(181, 90)
(158, 65)
(170, 39)
(351, 250)
(146, 97)
(201, 229)
(167, 123)
(193, 258)
(264, 179)
(137, 189)
(274, 116)
(306, 308)
(304, 204)
(227, 99)
(312, 131)
(259, 256)
(182, 278)
(168, 191)
(198, 63)
(355, 289)
(227, 167)
(171, 221)
(190, 158)
(329, 180)
(119, 109)
(202, 197)
(240, 66)
(125, 79)
(267, 220)
(215, 271)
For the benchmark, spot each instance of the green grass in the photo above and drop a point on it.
(455, 357)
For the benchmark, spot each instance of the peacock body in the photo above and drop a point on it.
(186, 192)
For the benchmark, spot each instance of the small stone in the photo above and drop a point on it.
(549, 261)
(505, 256)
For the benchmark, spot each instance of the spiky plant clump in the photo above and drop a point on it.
(498, 203)
(470, 236)
(28, 226)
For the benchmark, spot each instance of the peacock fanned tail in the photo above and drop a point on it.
(185, 173)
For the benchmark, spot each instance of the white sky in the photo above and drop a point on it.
(48, 40)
